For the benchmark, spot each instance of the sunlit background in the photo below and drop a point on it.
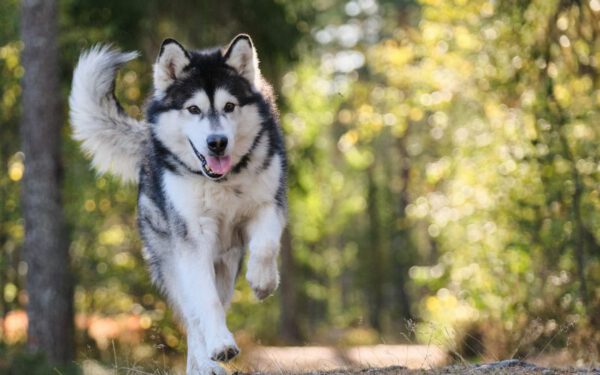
(444, 177)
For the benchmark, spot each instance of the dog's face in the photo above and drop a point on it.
(205, 108)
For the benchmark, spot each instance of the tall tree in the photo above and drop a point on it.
(290, 330)
(49, 285)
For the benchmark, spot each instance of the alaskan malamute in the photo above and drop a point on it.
(210, 163)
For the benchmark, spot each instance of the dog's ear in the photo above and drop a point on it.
(171, 61)
(241, 56)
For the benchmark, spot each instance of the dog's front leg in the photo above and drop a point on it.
(198, 362)
(191, 284)
(264, 231)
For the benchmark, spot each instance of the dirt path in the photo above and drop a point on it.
(325, 358)
(361, 360)
(501, 367)
(384, 360)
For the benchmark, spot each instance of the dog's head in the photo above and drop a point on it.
(205, 105)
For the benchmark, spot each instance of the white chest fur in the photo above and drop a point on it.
(221, 208)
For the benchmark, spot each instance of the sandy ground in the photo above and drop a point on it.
(518, 369)
(291, 359)
(378, 359)
(388, 360)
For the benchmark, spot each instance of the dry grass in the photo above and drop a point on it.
(379, 359)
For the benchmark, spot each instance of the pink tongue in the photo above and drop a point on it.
(219, 164)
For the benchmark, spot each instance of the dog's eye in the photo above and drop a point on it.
(229, 107)
(194, 110)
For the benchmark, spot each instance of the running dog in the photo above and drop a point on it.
(210, 163)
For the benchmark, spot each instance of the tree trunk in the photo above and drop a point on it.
(290, 331)
(373, 262)
(402, 247)
(49, 285)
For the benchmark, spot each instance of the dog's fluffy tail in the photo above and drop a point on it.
(114, 139)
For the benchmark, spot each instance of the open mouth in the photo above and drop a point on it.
(214, 167)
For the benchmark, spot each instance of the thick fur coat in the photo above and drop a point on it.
(210, 163)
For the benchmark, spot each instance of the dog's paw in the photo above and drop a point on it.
(206, 367)
(223, 348)
(262, 276)
(226, 354)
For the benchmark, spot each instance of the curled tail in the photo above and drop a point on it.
(115, 140)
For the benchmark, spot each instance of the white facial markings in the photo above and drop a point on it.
(248, 126)
(176, 128)
(224, 124)
(199, 99)
(222, 97)
(169, 130)
(198, 127)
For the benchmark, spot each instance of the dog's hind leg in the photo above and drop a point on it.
(226, 270)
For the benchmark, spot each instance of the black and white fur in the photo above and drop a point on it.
(195, 223)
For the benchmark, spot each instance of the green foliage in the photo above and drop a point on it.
(501, 122)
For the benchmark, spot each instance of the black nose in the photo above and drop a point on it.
(217, 143)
